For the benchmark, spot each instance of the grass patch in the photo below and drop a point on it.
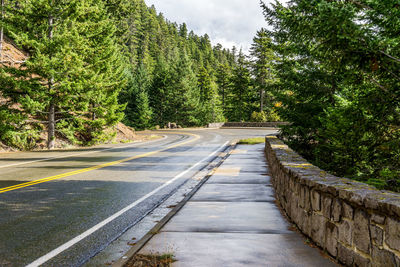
(252, 141)
(164, 260)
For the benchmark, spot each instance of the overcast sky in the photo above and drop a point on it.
(228, 22)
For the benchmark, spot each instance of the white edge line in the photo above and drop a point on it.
(84, 153)
(90, 231)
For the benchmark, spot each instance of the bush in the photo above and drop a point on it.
(272, 116)
(258, 116)
(20, 140)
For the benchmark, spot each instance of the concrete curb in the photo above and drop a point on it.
(146, 238)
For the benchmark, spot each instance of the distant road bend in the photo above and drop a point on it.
(60, 208)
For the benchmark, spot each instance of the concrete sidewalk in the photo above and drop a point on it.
(233, 221)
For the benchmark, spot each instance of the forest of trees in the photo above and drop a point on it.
(94, 63)
(329, 68)
(337, 74)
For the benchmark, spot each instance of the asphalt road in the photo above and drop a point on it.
(60, 208)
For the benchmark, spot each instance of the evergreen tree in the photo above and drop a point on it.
(240, 98)
(209, 98)
(138, 113)
(53, 84)
(338, 78)
(158, 92)
(82, 53)
(263, 57)
(223, 76)
(182, 93)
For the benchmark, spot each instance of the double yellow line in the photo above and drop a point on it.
(48, 179)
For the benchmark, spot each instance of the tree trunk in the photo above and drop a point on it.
(51, 139)
(52, 127)
(2, 31)
(223, 96)
(262, 92)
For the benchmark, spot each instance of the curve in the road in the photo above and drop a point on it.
(63, 175)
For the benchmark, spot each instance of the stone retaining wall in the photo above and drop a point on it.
(354, 222)
(246, 124)
(216, 125)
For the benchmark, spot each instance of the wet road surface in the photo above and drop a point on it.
(94, 195)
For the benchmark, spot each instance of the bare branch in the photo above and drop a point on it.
(11, 60)
(64, 119)
(36, 121)
(392, 57)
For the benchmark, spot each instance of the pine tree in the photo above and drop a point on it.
(263, 58)
(107, 73)
(223, 76)
(56, 82)
(209, 99)
(138, 113)
(158, 92)
(240, 98)
(182, 93)
(338, 73)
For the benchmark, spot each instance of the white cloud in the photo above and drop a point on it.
(229, 22)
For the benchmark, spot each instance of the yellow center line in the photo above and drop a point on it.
(52, 178)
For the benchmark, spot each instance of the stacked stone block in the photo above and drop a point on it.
(355, 223)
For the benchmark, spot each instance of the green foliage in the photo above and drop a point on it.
(94, 63)
(338, 78)
(252, 141)
(262, 60)
(182, 84)
(241, 95)
(258, 116)
(272, 115)
(262, 116)
(138, 113)
(70, 82)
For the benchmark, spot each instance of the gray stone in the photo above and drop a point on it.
(336, 210)
(392, 234)
(306, 223)
(377, 235)
(361, 231)
(361, 261)
(318, 229)
(294, 208)
(302, 196)
(347, 211)
(383, 258)
(345, 255)
(379, 219)
(331, 237)
(346, 232)
(326, 206)
(315, 200)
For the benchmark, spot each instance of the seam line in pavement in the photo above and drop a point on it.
(272, 232)
(232, 201)
(52, 178)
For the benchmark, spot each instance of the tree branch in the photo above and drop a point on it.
(392, 57)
